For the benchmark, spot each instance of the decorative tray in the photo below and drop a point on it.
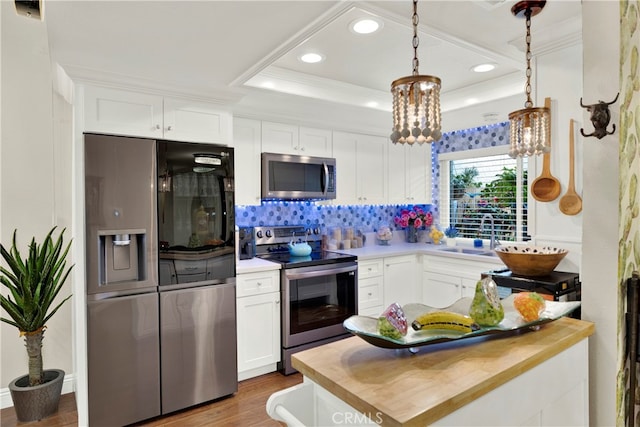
(367, 327)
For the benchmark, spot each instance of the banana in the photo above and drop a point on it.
(445, 320)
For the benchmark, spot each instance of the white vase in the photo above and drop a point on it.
(451, 241)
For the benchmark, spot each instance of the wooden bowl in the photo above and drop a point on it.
(531, 260)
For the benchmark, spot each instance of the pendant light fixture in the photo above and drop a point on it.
(530, 128)
(416, 101)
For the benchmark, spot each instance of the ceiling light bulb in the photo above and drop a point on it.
(365, 26)
(311, 58)
(483, 68)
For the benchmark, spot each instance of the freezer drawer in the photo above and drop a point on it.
(123, 359)
(198, 345)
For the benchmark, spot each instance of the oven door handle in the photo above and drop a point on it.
(289, 274)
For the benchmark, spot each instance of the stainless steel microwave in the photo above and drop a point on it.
(290, 177)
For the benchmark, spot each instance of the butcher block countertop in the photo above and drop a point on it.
(418, 389)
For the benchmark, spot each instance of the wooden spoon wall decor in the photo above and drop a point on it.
(571, 203)
(546, 187)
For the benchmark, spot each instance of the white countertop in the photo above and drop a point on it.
(371, 251)
(254, 265)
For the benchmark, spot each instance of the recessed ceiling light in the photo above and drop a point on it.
(311, 58)
(365, 26)
(483, 68)
(372, 104)
(268, 85)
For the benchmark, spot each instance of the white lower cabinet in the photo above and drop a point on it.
(382, 281)
(258, 317)
(446, 280)
(401, 281)
(370, 287)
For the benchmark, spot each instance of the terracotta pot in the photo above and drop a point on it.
(37, 402)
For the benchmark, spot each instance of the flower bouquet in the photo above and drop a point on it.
(412, 219)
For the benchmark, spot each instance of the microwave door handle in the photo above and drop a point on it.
(325, 172)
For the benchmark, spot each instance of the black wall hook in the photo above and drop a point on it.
(600, 117)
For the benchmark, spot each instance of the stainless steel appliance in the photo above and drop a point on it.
(197, 273)
(155, 349)
(289, 177)
(318, 291)
(556, 286)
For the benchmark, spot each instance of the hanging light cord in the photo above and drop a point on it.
(416, 40)
(529, 103)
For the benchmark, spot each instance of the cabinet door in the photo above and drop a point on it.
(468, 288)
(400, 284)
(279, 138)
(397, 174)
(246, 142)
(418, 176)
(440, 290)
(315, 142)
(344, 150)
(121, 112)
(186, 120)
(258, 331)
(371, 153)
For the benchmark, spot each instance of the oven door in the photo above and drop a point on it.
(316, 300)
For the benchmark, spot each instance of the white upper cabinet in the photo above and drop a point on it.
(122, 112)
(360, 172)
(186, 120)
(246, 142)
(131, 113)
(409, 171)
(291, 139)
(315, 142)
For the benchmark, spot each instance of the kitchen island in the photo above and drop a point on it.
(537, 377)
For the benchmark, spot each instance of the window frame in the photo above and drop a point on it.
(444, 184)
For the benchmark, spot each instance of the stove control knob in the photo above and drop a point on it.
(316, 231)
(268, 233)
(259, 234)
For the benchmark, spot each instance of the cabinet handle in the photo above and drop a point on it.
(259, 284)
(369, 294)
(277, 301)
(158, 127)
(301, 148)
(169, 128)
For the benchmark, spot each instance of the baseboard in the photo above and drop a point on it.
(251, 373)
(68, 386)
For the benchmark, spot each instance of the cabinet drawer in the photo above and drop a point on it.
(369, 293)
(370, 268)
(257, 283)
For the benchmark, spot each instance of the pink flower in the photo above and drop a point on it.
(416, 217)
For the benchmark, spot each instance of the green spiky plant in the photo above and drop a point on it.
(34, 283)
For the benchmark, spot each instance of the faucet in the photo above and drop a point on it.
(492, 242)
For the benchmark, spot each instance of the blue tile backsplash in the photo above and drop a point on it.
(367, 217)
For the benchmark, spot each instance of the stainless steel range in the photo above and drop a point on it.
(319, 291)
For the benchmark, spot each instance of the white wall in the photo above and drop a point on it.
(35, 186)
(559, 77)
(600, 220)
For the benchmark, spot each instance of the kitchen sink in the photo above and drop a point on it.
(469, 251)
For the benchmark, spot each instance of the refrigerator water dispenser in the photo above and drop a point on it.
(122, 256)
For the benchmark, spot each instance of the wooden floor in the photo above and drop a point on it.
(245, 408)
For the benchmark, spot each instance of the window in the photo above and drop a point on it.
(474, 183)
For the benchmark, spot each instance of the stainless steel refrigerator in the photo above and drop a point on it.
(160, 287)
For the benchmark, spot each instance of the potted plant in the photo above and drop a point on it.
(34, 282)
(451, 232)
